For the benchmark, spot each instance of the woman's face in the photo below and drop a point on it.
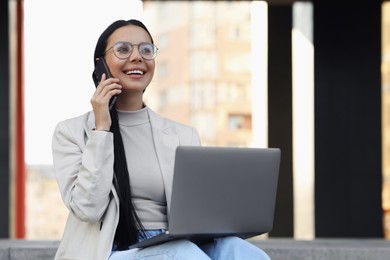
(134, 73)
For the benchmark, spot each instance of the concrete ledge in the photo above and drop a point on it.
(27, 249)
(325, 249)
(277, 249)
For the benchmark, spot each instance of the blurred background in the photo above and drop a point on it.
(310, 78)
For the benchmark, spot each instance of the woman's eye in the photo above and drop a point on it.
(122, 49)
(146, 50)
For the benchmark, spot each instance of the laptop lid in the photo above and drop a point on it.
(224, 191)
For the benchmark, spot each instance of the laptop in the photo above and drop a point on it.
(221, 191)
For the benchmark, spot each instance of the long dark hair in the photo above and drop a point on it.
(129, 224)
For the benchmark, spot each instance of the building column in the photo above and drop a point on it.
(12, 164)
(280, 112)
(4, 121)
(348, 175)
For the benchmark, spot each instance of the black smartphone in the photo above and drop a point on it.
(100, 68)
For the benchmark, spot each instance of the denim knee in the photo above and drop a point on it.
(231, 241)
(178, 249)
(236, 248)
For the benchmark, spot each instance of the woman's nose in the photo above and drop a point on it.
(135, 55)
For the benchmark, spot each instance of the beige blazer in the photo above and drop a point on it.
(83, 162)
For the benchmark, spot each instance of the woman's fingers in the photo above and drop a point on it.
(106, 89)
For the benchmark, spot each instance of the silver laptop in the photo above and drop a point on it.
(221, 191)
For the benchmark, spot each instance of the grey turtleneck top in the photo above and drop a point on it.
(145, 174)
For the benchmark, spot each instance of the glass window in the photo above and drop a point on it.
(239, 122)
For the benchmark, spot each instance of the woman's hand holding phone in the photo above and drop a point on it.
(106, 89)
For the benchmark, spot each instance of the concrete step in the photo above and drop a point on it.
(277, 249)
(27, 249)
(325, 249)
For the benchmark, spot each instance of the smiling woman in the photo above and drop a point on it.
(114, 166)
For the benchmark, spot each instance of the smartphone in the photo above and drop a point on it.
(100, 68)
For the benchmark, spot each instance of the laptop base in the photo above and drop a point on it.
(198, 239)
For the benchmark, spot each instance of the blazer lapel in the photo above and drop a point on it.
(165, 140)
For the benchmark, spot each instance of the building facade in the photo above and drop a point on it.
(203, 71)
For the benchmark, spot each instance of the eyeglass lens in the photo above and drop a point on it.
(124, 49)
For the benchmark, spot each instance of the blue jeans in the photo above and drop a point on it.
(222, 248)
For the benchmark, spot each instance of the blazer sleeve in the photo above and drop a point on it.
(84, 169)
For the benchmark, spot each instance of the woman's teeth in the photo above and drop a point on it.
(135, 72)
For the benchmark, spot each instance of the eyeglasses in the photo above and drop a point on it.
(123, 50)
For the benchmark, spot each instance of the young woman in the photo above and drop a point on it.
(114, 166)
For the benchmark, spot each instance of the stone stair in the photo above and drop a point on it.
(277, 249)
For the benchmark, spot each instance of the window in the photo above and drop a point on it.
(239, 122)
